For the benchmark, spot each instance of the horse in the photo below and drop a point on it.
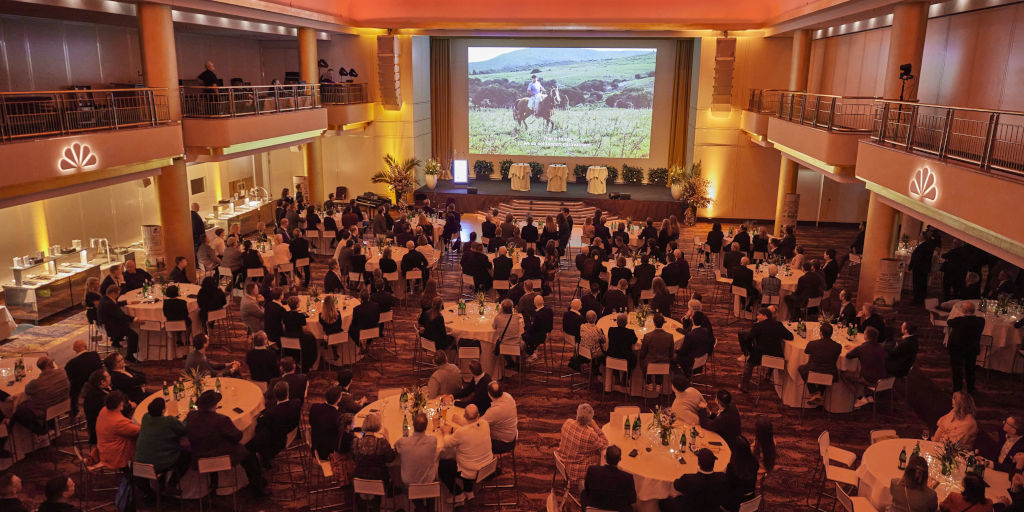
(521, 110)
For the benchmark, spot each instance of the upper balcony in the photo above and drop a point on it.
(222, 121)
(821, 131)
(962, 168)
(761, 105)
(348, 105)
(81, 136)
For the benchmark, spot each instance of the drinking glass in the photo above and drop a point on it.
(925, 434)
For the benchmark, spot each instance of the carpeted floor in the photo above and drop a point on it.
(543, 404)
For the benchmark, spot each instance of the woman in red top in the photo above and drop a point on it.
(971, 499)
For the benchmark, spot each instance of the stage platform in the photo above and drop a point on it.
(645, 200)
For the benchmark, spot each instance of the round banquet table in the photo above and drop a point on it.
(152, 309)
(7, 384)
(472, 326)
(1006, 339)
(20, 442)
(840, 397)
(391, 416)
(880, 465)
(348, 354)
(656, 467)
(788, 279)
(636, 384)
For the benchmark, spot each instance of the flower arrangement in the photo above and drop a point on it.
(314, 295)
(613, 173)
(696, 192)
(483, 169)
(664, 420)
(194, 376)
(419, 400)
(400, 177)
(675, 174)
(641, 313)
(432, 167)
(949, 456)
(658, 176)
(632, 175)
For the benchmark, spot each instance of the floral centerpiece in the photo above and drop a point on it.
(696, 193)
(314, 295)
(194, 376)
(400, 177)
(664, 424)
(419, 400)
(640, 315)
(481, 299)
(949, 456)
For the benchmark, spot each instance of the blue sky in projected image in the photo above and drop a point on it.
(482, 53)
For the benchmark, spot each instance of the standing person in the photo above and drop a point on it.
(198, 224)
(209, 76)
(921, 265)
(964, 346)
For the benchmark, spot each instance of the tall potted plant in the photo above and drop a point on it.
(675, 179)
(431, 170)
(400, 177)
(696, 193)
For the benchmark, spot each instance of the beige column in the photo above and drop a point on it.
(878, 237)
(313, 151)
(909, 227)
(160, 69)
(906, 46)
(788, 172)
(798, 70)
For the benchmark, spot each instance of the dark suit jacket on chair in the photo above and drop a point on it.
(608, 488)
(726, 423)
(475, 393)
(324, 430)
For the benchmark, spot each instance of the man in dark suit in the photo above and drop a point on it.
(698, 342)
(364, 316)
(582, 257)
(764, 338)
(608, 487)
(476, 264)
(531, 266)
(954, 270)
(347, 402)
(726, 422)
(413, 260)
(620, 271)
(644, 274)
(787, 246)
(129, 382)
(278, 419)
(529, 232)
(516, 289)
(573, 319)
(743, 277)
(525, 305)
(1011, 443)
(921, 265)
(78, 369)
(703, 491)
(656, 347)
(475, 391)
(198, 227)
(502, 265)
(615, 299)
(830, 269)
(297, 382)
(743, 238)
(263, 361)
(964, 345)
(847, 310)
(621, 340)
(591, 301)
(134, 277)
(901, 352)
(601, 231)
(273, 316)
(116, 322)
(540, 324)
(211, 434)
(808, 286)
(868, 317)
(673, 273)
(299, 248)
(822, 356)
(731, 259)
(1005, 286)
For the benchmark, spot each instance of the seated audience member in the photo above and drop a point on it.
(621, 340)
(731, 259)
(178, 274)
(911, 493)
(294, 326)
(250, 309)
(474, 391)
(471, 443)
(540, 324)
(502, 418)
(740, 474)
(129, 382)
(115, 434)
(1011, 443)
(10, 490)
(114, 276)
(573, 319)
(616, 300)
(698, 342)
(159, 441)
(348, 403)
(509, 327)
(663, 300)
(325, 423)
(134, 277)
(822, 356)
(419, 454)
(197, 360)
(580, 445)
(273, 425)
(415, 260)
(210, 298)
(332, 279)
(262, 360)
(970, 499)
(432, 326)
(703, 491)
(871, 355)
(847, 310)
(657, 347)
(59, 492)
(958, 425)
(868, 317)
(765, 338)
(365, 316)
(94, 398)
(608, 487)
(297, 382)
(446, 379)
(901, 352)
(743, 277)
(688, 402)
(117, 323)
(212, 434)
(50, 388)
(593, 339)
(726, 421)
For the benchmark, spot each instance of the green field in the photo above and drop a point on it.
(582, 131)
(575, 73)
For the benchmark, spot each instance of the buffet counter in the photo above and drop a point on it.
(42, 293)
(250, 215)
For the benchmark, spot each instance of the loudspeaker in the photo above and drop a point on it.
(624, 197)
(725, 60)
(389, 83)
(471, 190)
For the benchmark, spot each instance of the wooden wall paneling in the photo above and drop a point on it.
(955, 79)
(83, 55)
(1012, 99)
(46, 51)
(933, 64)
(857, 64)
(989, 57)
(817, 67)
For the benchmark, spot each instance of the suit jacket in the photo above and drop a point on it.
(743, 277)
(299, 248)
(541, 323)
(273, 320)
(731, 259)
(765, 338)
(742, 238)
(901, 354)
(175, 310)
(726, 423)
(875, 321)
(117, 323)
(332, 283)
(831, 271)
(177, 275)
(590, 303)
(531, 268)
(211, 434)
(644, 275)
(515, 293)
(700, 492)
(1006, 464)
(263, 364)
(696, 343)
(921, 257)
(657, 348)
(324, 429)
(296, 387)
(502, 268)
(787, 246)
(608, 488)
(619, 273)
(252, 313)
(662, 303)
(808, 285)
(620, 344)
(273, 426)
(475, 393)
(130, 385)
(78, 370)
(615, 301)
(965, 335)
(848, 315)
(414, 260)
(822, 355)
(571, 322)
(134, 280)
(364, 316)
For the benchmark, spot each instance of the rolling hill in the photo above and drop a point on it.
(534, 57)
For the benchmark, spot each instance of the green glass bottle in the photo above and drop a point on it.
(917, 448)
(636, 428)
(627, 428)
(405, 426)
(903, 459)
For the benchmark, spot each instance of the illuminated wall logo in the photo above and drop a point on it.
(923, 186)
(76, 158)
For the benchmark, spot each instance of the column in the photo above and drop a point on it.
(910, 227)
(906, 46)
(788, 172)
(798, 70)
(877, 245)
(160, 69)
(313, 151)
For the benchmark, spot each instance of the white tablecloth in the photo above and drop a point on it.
(596, 178)
(7, 384)
(7, 324)
(152, 310)
(391, 416)
(240, 393)
(473, 326)
(654, 471)
(880, 465)
(788, 279)
(556, 175)
(519, 175)
(636, 385)
(840, 397)
(22, 437)
(1006, 338)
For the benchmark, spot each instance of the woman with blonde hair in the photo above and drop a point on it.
(959, 425)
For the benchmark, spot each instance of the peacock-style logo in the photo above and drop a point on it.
(923, 186)
(76, 158)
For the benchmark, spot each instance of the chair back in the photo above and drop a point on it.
(414, 274)
(214, 464)
(57, 410)
(386, 392)
(466, 353)
(290, 343)
(337, 338)
(700, 362)
(739, 290)
(143, 470)
(813, 302)
(488, 470)
(646, 294)
(500, 285)
(302, 262)
(751, 505)
(428, 345)
(882, 434)
(254, 272)
(371, 487)
(560, 467)
(628, 410)
(509, 349)
(285, 267)
(176, 326)
(150, 325)
(355, 276)
(366, 334)
(216, 314)
(657, 369)
(312, 233)
(391, 277)
(885, 384)
(537, 284)
(584, 351)
(617, 364)
(759, 255)
(224, 271)
(775, 363)
(844, 499)
(824, 441)
(768, 300)
(821, 379)
(330, 234)
(424, 491)
(386, 316)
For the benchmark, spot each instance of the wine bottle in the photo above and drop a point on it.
(903, 459)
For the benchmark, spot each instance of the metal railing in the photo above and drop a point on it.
(990, 139)
(344, 94)
(245, 100)
(850, 114)
(36, 114)
(765, 101)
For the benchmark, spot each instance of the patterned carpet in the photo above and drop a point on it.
(544, 405)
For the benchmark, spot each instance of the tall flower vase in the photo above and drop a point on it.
(689, 215)
(677, 191)
(431, 181)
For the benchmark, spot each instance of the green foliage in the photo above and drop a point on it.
(504, 167)
(580, 172)
(536, 171)
(483, 169)
(599, 132)
(696, 188)
(632, 175)
(432, 167)
(613, 173)
(400, 177)
(658, 176)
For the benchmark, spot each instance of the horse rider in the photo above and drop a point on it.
(536, 92)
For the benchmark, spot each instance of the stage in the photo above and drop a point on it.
(645, 200)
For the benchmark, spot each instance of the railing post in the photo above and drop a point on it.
(782, 104)
(803, 108)
(151, 97)
(277, 98)
(61, 112)
(832, 113)
(5, 127)
(792, 104)
(231, 103)
(990, 140)
(911, 128)
(947, 128)
(817, 110)
(113, 111)
(883, 122)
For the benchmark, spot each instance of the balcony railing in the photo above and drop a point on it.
(992, 140)
(849, 114)
(25, 115)
(765, 101)
(344, 94)
(206, 102)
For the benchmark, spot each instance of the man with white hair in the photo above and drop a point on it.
(770, 284)
(414, 260)
(540, 323)
(581, 444)
(502, 265)
(208, 77)
(471, 442)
